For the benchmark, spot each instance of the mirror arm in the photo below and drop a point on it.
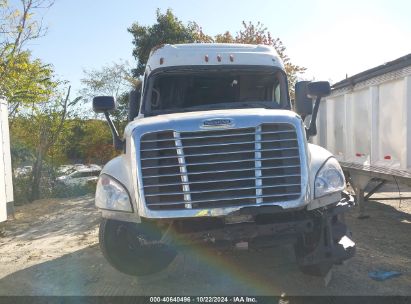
(117, 142)
(312, 130)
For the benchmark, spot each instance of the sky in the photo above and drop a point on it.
(330, 38)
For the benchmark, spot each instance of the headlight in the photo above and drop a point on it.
(329, 179)
(110, 194)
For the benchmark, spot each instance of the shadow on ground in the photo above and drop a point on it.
(85, 272)
(383, 243)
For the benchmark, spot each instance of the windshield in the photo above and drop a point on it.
(217, 89)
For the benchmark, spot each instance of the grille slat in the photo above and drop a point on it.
(226, 189)
(220, 168)
(225, 153)
(241, 160)
(224, 171)
(223, 180)
(295, 194)
(228, 144)
(219, 136)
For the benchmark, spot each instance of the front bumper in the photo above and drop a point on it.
(256, 235)
(291, 227)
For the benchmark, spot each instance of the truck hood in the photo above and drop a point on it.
(190, 119)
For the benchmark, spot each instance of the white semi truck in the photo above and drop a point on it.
(6, 184)
(214, 154)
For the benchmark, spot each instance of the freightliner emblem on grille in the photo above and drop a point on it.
(217, 123)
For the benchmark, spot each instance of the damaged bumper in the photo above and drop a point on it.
(317, 235)
(332, 242)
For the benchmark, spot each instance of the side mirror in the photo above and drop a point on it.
(315, 90)
(303, 103)
(318, 89)
(105, 104)
(102, 104)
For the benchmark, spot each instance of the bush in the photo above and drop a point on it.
(21, 190)
(48, 189)
(63, 191)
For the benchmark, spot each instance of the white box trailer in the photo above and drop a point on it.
(6, 184)
(366, 124)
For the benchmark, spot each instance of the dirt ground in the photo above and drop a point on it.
(51, 248)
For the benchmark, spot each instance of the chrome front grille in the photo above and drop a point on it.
(220, 168)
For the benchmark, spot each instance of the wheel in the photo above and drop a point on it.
(133, 248)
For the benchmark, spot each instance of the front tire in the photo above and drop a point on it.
(133, 248)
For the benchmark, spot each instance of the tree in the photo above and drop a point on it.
(89, 140)
(49, 120)
(23, 80)
(169, 29)
(38, 129)
(111, 80)
(21, 23)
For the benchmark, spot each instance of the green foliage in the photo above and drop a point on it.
(80, 141)
(89, 141)
(168, 29)
(24, 81)
(62, 191)
(38, 128)
(21, 190)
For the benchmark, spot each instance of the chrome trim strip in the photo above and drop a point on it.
(183, 170)
(258, 172)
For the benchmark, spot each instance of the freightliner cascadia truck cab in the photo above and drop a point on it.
(214, 154)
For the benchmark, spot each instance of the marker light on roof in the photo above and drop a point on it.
(161, 60)
(231, 58)
(219, 58)
(206, 58)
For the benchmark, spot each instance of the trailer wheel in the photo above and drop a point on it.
(133, 248)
